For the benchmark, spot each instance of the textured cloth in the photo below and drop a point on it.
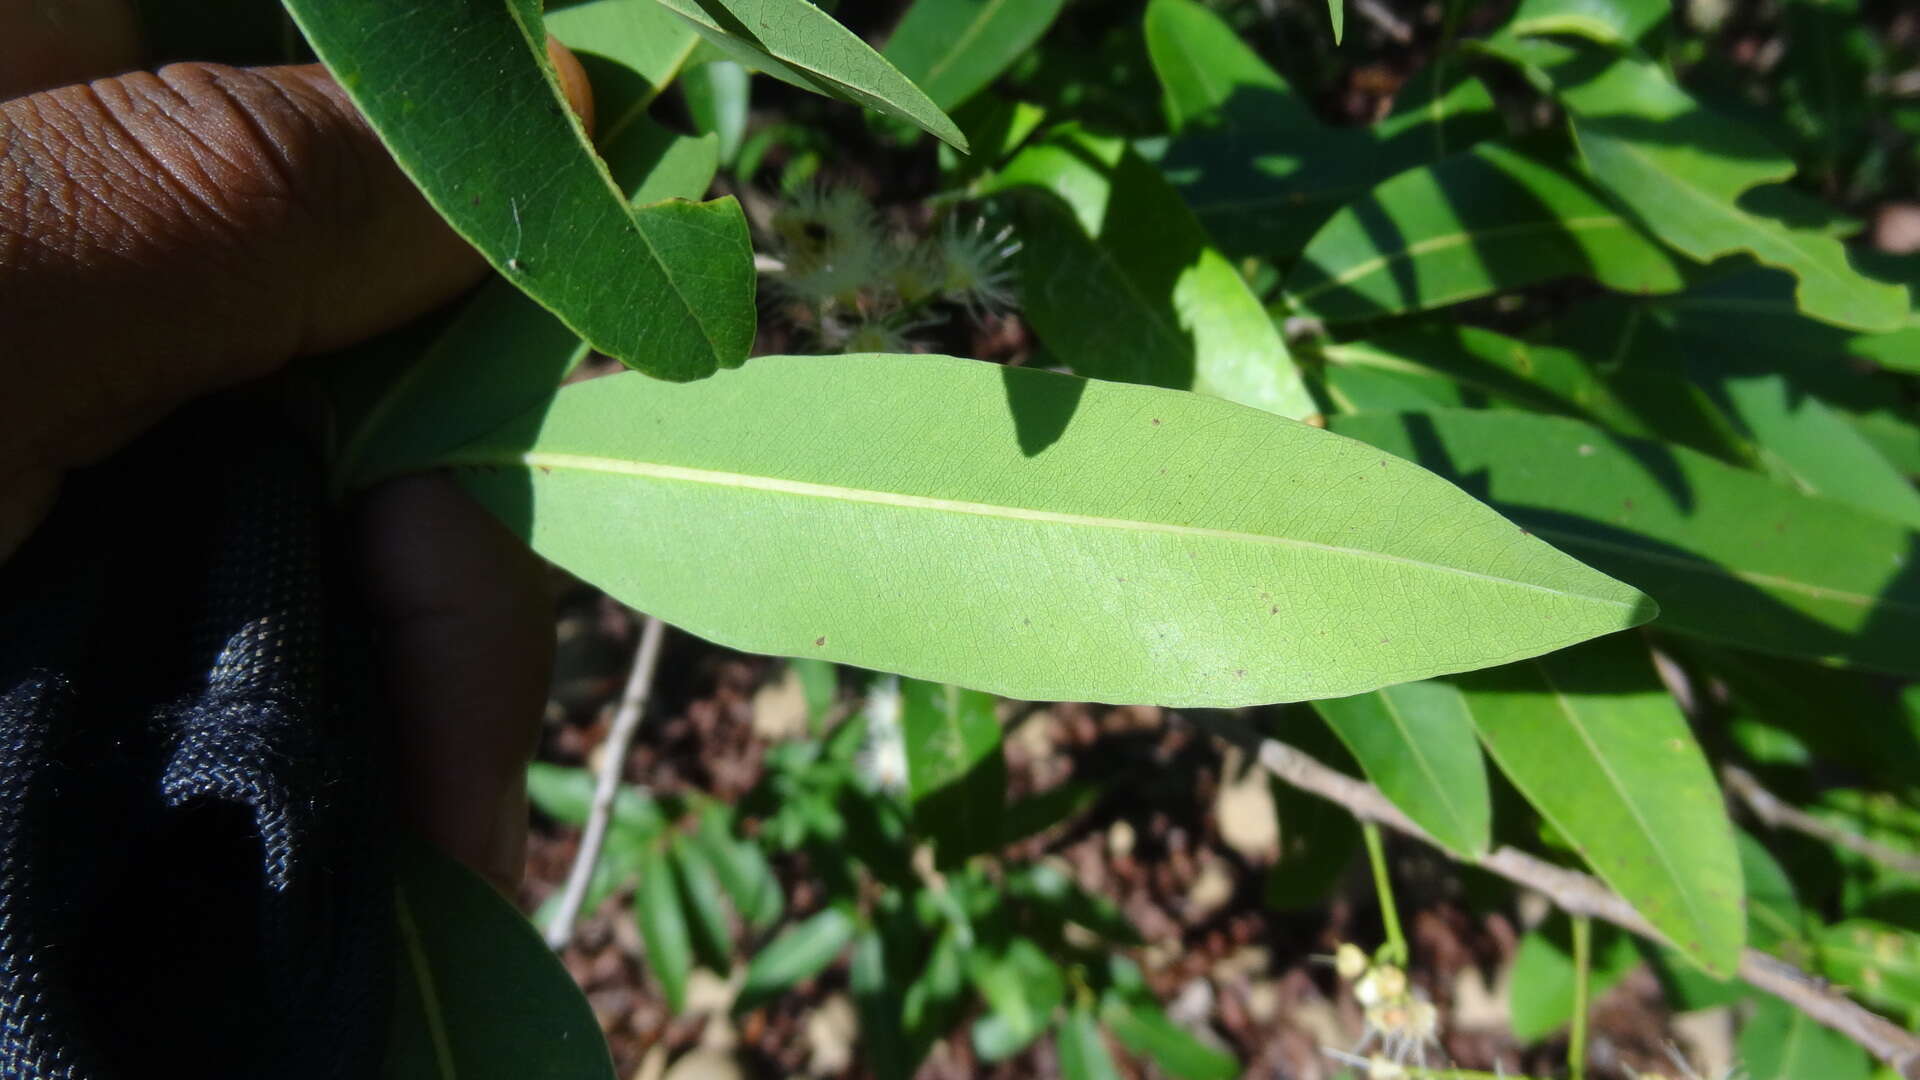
(195, 876)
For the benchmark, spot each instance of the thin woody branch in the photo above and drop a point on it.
(613, 758)
(1776, 814)
(1582, 894)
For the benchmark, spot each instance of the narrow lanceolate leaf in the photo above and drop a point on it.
(1879, 962)
(482, 131)
(796, 42)
(706, 912)
(1337, 12)
(1209, 78)
(663, 926)
(1121, 282)
(1494, 218)
(1270, 175)
(1022, 984)
(718, 94)
(953, 48)
(1728, 554)
(1611, 22)
(1543, 976)
(802, 952)
(477, 994)
(883, 1042)
(643, 39)
(567, 795)
(742, 869)
(1416, 743)
(1685, 183)
(1779, 1042)
(1139, 1023)
(1083, 1049)
(1810, 445)
(1079, 540)
(1598, 746)
(1463, 365)
(956, 775)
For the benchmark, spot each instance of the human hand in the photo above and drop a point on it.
(166, 235)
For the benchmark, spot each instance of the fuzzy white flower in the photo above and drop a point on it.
(887, 334)
(832, 244)
(973, 266)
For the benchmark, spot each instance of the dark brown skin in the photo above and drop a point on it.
(166, 235)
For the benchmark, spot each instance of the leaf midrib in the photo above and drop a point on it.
(423, 981)
(1443, 241)
(1426, 766)
(545, 460)
(1701, 925)
(960, 44)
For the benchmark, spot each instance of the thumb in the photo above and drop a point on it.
(167, 234)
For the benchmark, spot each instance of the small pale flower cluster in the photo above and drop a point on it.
(867, 290)
(883, 757)
(1398, 1017)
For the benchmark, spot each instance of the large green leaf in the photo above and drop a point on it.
(1728, 554)
(1542, 987)
(1598, 746)
(1685, 183)
(956, 775)
(481, 130)
(953, 48)
(1121, 282)
(796, 42)
(1209, 78)
(1416, 743)
(1496, 217)
(1079, 540)
(1263, 188)
(478, 995)
(1779, 1042)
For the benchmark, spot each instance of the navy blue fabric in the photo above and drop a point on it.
(195, 871)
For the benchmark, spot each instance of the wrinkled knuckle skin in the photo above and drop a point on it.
(178, 216)
(201, 171)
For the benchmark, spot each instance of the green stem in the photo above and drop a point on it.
(1582, 961)
(1395, 950)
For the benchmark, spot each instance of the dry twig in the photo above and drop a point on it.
(1776, 814)
(613, 758)
(1580, 894)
